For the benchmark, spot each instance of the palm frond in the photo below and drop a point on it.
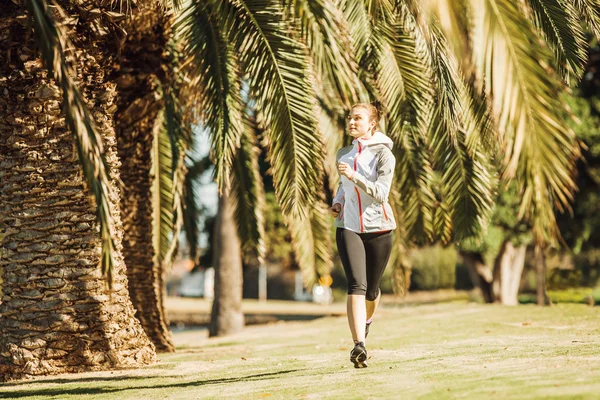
(162, 190)
(400, 260)
(453, 18)
(359, 26)
(456, 131)
(54, 45)
(540, 148)
(414, 177)
(311, 241)
(450, 21)
(467, 188)
(171, 4)
(403, 77)
(276, 65)
(589, 12)
(214, 83)
(247, 195)
(190, 208)
(379, 9)
(324, 31)
(403, 74)
(332, 136)
(557, 21)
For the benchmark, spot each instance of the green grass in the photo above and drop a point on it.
(571, 295)
(441, 351)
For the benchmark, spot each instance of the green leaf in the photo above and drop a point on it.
(403, 77)
(332, 135)
(414, 179)
(539, 148)
(311, 241)
(166, 222)
(400, 260)
(324, 30)
(215, 87)
(558, 22)
(455, 133)
(589, 11)
(190, 208)
(276, 65)
(358, 24)
(247, 195)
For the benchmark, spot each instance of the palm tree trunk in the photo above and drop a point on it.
(139, 104)
(227, 317)
(508, 268)
(56, 312)
(481, 275)
(540, 269)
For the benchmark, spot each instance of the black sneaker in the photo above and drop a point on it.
(358, 355)
(367, 329)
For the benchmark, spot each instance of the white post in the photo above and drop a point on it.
(262, 283)
(299, 287)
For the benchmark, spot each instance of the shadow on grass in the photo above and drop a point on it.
(103, 390)
(79, 380)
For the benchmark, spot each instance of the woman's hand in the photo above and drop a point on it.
(335, 209)
(345, 170)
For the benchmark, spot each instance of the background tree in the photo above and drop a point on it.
(438, 94)
(496, 262)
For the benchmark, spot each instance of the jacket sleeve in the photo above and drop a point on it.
(380, 189)
(339, 196)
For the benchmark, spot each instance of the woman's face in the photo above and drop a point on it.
(358, 122)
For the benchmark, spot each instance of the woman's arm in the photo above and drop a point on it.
(339, 196)
(380, 189)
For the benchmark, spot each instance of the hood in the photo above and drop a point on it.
(377, 138)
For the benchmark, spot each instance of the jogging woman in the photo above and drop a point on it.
(364, 219)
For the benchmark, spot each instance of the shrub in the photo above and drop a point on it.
(434, 267)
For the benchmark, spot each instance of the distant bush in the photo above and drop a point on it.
(588, 262)
(573, 271)
(571, 295)
(434, 268)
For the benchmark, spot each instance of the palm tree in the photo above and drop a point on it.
(518, 53)
(57, 313)
(466, 88)
(448, 106)
(221, 40)
(144, 79)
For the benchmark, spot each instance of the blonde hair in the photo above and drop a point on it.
(374, 110)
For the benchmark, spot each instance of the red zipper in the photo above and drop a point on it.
(362, 227)
(384, 213)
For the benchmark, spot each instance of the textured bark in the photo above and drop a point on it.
(56, 313)
(227, 317)
(508, 268)
(140, 100)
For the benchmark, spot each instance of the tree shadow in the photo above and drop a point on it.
(78, 380)
(104, 390)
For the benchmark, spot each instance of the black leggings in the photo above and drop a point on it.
(364, 257)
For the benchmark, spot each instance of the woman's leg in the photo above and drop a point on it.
(357, 316)
(353, 257)
(377, 251)
(371, 306)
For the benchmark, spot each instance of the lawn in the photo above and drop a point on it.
(437, 351)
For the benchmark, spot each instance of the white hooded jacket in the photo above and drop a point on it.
(364, 198)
